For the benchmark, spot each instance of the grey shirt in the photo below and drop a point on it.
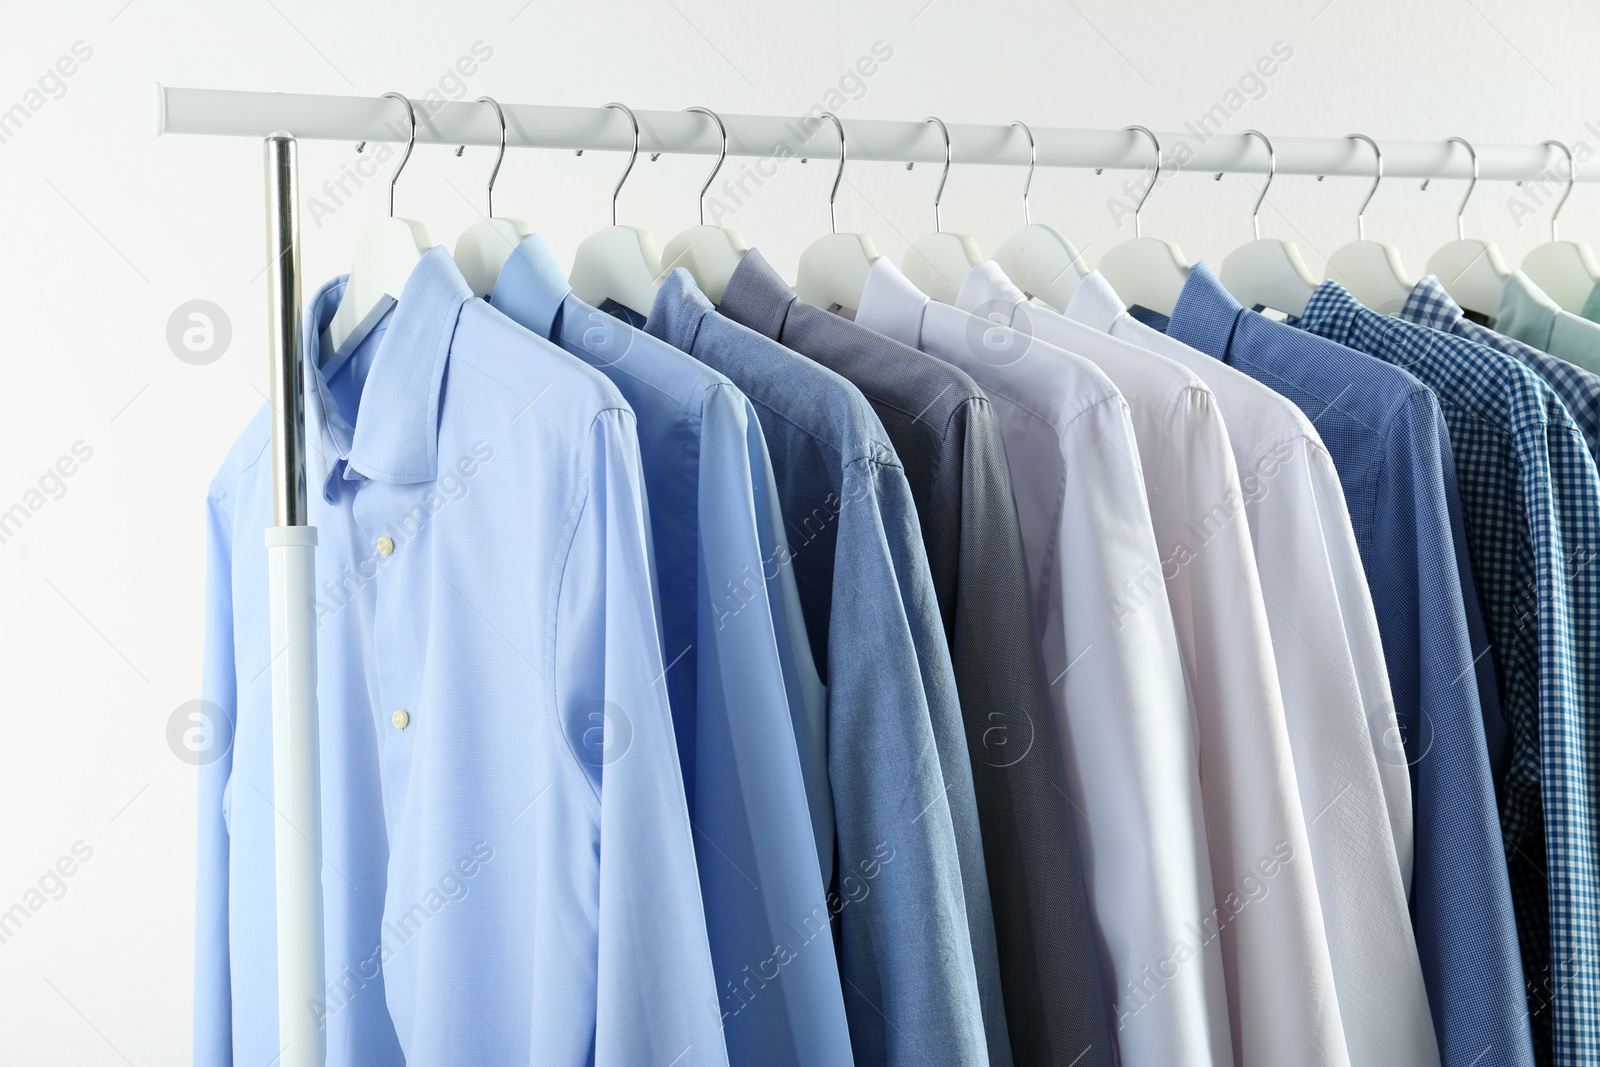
(949, 442)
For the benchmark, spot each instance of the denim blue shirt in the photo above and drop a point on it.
(1387, 438)
(1430, 305)
(733, 634)
(903, 795)
(1531, 498)
(509, 875)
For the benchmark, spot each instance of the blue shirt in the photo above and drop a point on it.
(903, 797)
(1385, 433)
(509, 874)
(733, 634)
(1429, 305)
(1531, 498)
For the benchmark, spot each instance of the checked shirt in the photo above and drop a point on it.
(1531, 497)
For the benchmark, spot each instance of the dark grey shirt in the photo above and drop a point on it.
(949, 443)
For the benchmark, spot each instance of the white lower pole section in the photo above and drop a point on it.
(291, 571)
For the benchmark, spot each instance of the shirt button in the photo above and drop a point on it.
(385, 545)
(401, 719)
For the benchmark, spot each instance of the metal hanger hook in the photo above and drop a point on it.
(938, 194)
(723, 130)
(1153, 179)
(411, 142)
(1572, 177)
(1272, 172)
(632, 156)
(501, 158)
(1033, 158)
(1377, 179)
(833, 225)
(1461, 224)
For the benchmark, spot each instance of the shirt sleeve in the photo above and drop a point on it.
(899, 878)
(1129, 740)
(1054, 996)
(1324, 636)
(655, 999)
(213, 997)
(752, 819)
(1440, 671)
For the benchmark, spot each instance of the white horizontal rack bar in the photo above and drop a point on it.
(227, 112)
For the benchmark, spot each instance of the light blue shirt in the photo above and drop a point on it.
(734, 632)
(508, 873)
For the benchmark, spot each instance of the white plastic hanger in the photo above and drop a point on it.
(710, 253)
(1037, 258)
(483, 248)
(1566, 270)
(1371, 270)
(833, 270)
(1268, 273)
(938, 262)
(385, 257)
(1472, 272)
(620, 262)
(1146, 270)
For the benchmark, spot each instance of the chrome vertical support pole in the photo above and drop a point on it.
(291, 575)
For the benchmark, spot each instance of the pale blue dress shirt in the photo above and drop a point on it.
(907, 821)
(509, 875)
(733, 630)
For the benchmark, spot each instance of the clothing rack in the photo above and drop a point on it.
(291, 540)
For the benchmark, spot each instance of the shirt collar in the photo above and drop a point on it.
(679, 310)
(396, 435)
(1206, 314)
(1331, 312)
(1095, 304)
(1430, 305)
(531, 287)
(1525, 289)
(327, 431)
(891, 305)
(987, 293)
(757, 296)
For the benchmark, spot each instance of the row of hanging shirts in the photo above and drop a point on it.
(622, 263)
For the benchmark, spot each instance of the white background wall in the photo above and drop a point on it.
(105, 230)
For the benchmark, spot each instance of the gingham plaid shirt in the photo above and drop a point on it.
(1579, 390)
(1531, 496)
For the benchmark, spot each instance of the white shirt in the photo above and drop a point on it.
(1276, 945)
(1335, 693)
(1117, 682)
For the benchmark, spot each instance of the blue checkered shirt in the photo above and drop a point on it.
(1579, 390)
(1387, 438)
(1531, 498)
